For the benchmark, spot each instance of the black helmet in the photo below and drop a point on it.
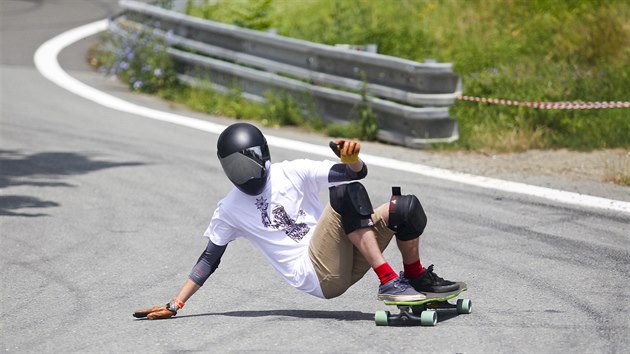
(243, 153)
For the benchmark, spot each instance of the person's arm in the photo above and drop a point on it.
(188, 289)
(205, 266)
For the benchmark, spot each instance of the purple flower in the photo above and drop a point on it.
(137, 84)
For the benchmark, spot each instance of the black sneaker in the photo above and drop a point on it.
(398, 290)
(430, 282)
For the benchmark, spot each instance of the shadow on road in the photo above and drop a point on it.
(43, 169)
(12, 202)
(331, 315)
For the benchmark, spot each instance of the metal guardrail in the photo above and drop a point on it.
(332, 77)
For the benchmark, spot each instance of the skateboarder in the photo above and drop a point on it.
(319, 250)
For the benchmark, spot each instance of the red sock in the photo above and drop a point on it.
(413, 270)
(385, 273)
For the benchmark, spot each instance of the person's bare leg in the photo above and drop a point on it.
(365, 241)
(409, 250)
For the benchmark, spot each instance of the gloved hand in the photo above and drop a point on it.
(346, 150)
(160, 312)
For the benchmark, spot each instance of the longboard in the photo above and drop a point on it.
(423, 312)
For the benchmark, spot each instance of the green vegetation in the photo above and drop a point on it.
(525, 50)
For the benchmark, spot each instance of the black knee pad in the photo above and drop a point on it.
(352, 202)
(406, 216)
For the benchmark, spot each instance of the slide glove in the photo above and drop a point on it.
(346, 150)
(160, 312)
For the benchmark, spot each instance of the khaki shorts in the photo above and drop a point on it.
(337, 262)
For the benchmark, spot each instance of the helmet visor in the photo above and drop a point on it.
(247, 164)
(260, 154)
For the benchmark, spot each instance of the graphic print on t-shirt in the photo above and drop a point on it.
(282, 220)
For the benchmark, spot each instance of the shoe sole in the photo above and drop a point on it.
(401, 298)
(440, 289)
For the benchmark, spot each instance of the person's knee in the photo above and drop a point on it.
(406, 216)
(352, 202)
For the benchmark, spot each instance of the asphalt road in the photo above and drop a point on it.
(101, 212)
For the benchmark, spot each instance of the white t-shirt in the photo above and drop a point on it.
(280, 221)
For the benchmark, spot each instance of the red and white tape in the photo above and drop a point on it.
(548, 105)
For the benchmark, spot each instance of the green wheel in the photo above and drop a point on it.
(428, 318)
(381, 318)
(464, 306)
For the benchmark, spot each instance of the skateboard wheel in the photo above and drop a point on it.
(464, 306)
(428, 318)
(381, 318)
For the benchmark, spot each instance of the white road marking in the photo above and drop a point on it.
(46, 62)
